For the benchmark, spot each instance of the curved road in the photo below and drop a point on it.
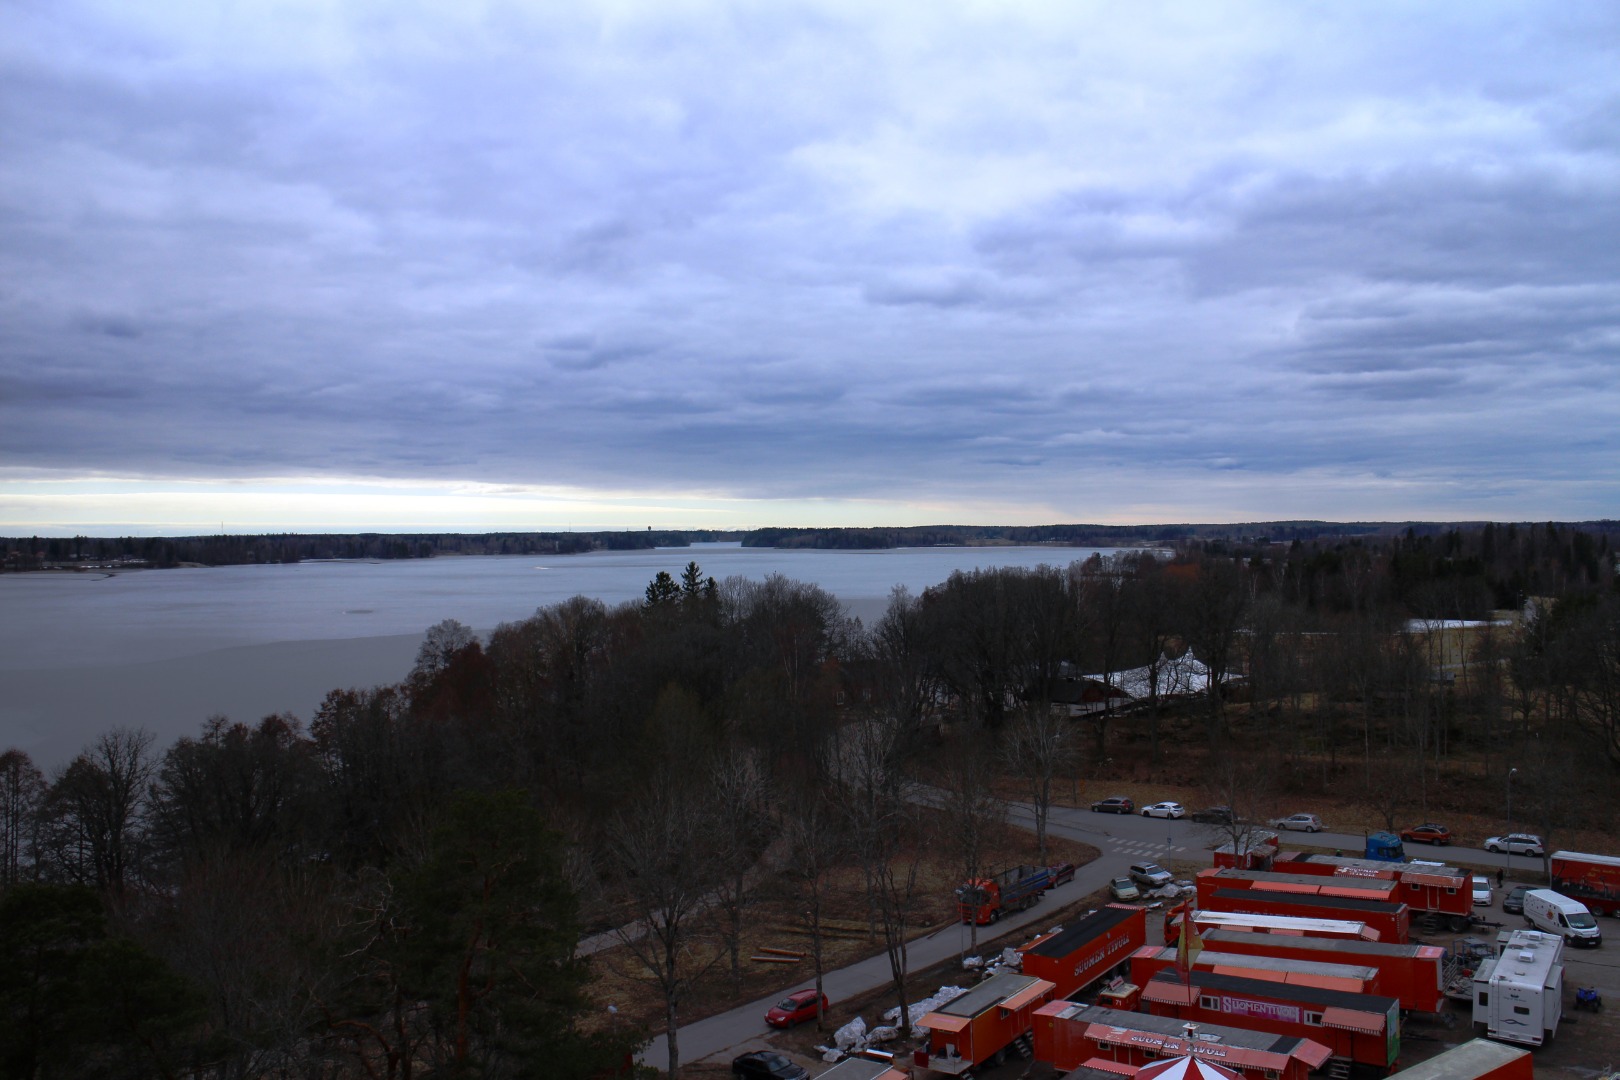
(1121, 838)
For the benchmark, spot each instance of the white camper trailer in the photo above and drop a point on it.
(1519, 996)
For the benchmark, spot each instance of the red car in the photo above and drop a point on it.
(795, 1009)
(1427, 833)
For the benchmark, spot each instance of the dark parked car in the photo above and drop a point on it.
(1513, 902)
(1427, 833)
(1060, 874)
(795, 1009)
(766, 1065)
(1114, 804)
(1214, 815)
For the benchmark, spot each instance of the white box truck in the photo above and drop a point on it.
(1519, 996)
(1556, 913)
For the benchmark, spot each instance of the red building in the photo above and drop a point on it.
(1392, 921)
(1478, 1059)
(1412, 974)
(1364, 1029)
(982, 1024)
(1279, 925)
(1076, 956)
(1071, 1035)
(1428, 887)
(1148, 961)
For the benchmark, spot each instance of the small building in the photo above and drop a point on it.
(1071, 1036)
(1415, 975)
(1476, 1059)
(984, 1023)
(1076, 956)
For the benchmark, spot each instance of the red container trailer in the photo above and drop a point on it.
(1149, 960)
(1594, 880)
(1412, 974)
(1354, 888)
(1364, 1029)
(1392, 921)
(1071, 1035)
(1076, 956)
(980, 1025)
(1254, 855)
(1477, 1059)
(1422, 886)
(1279, 925)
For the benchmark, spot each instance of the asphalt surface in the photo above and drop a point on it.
(1122, 839)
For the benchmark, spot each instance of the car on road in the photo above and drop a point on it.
(796, 1009)
(767, 1065)
(1123, 888)
(1513, 902)
(1166, 809)
(1516, 844)
(1299, 823)
(1427, 833)
(1482, 891)
(1214, 815)
(1150, 875)
(1114, 804)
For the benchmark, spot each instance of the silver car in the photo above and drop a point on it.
(1299, 823)
(1165, 809)
(1516, 844)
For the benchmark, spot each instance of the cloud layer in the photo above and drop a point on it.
(971, 262)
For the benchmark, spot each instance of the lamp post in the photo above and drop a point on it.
(1507, 841)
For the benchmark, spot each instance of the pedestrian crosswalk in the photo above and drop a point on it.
(1144, 847)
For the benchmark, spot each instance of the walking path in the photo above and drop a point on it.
(742, 1029)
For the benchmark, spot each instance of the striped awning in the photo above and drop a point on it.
(1169, 993)
(1353, 1020)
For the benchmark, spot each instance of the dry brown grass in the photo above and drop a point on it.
(775, 922)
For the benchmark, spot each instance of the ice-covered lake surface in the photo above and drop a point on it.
(165, 649)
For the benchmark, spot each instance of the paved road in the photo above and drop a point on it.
(1121, 838)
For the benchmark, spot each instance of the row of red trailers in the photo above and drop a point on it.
(1426, 887)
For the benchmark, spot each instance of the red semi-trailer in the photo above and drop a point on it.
(1423, 886)
(1477, 1059)
(1354, 888)
(1264, 925)
(985, 900)
(1149, 960)
(1077, 956)
(1594, 880)
(1070, 1035)
(1360, 1028)
(1392, 921)
(980, 1026)
(1414, 975)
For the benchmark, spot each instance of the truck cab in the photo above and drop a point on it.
(1385, 847)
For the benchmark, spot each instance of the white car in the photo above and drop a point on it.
(1165, 810)
(1482, 891)
(1299, 822)
(1516, 844)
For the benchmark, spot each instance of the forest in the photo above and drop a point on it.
(398, 887)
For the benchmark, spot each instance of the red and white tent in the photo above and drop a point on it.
(1185, 1068)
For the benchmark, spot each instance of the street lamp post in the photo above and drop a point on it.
(1507, 841)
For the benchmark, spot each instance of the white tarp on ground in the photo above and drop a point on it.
(1183, 676)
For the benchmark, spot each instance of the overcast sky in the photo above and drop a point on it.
(484, 266)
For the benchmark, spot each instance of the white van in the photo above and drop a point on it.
(1558, 914)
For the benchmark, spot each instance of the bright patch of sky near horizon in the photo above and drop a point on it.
(350, 265)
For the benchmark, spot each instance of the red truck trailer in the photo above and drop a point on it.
(1392, 921)
(980, 1026)
(985, 900)
(1354, 888)
(1256, 854)
(1279, 925)
(1594, 880)
(1076, 956)
(1476, 1059)
(1435, 888)
(1149, 960)
(1415, 975)
(1070, 1035)
(1363, 1029)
